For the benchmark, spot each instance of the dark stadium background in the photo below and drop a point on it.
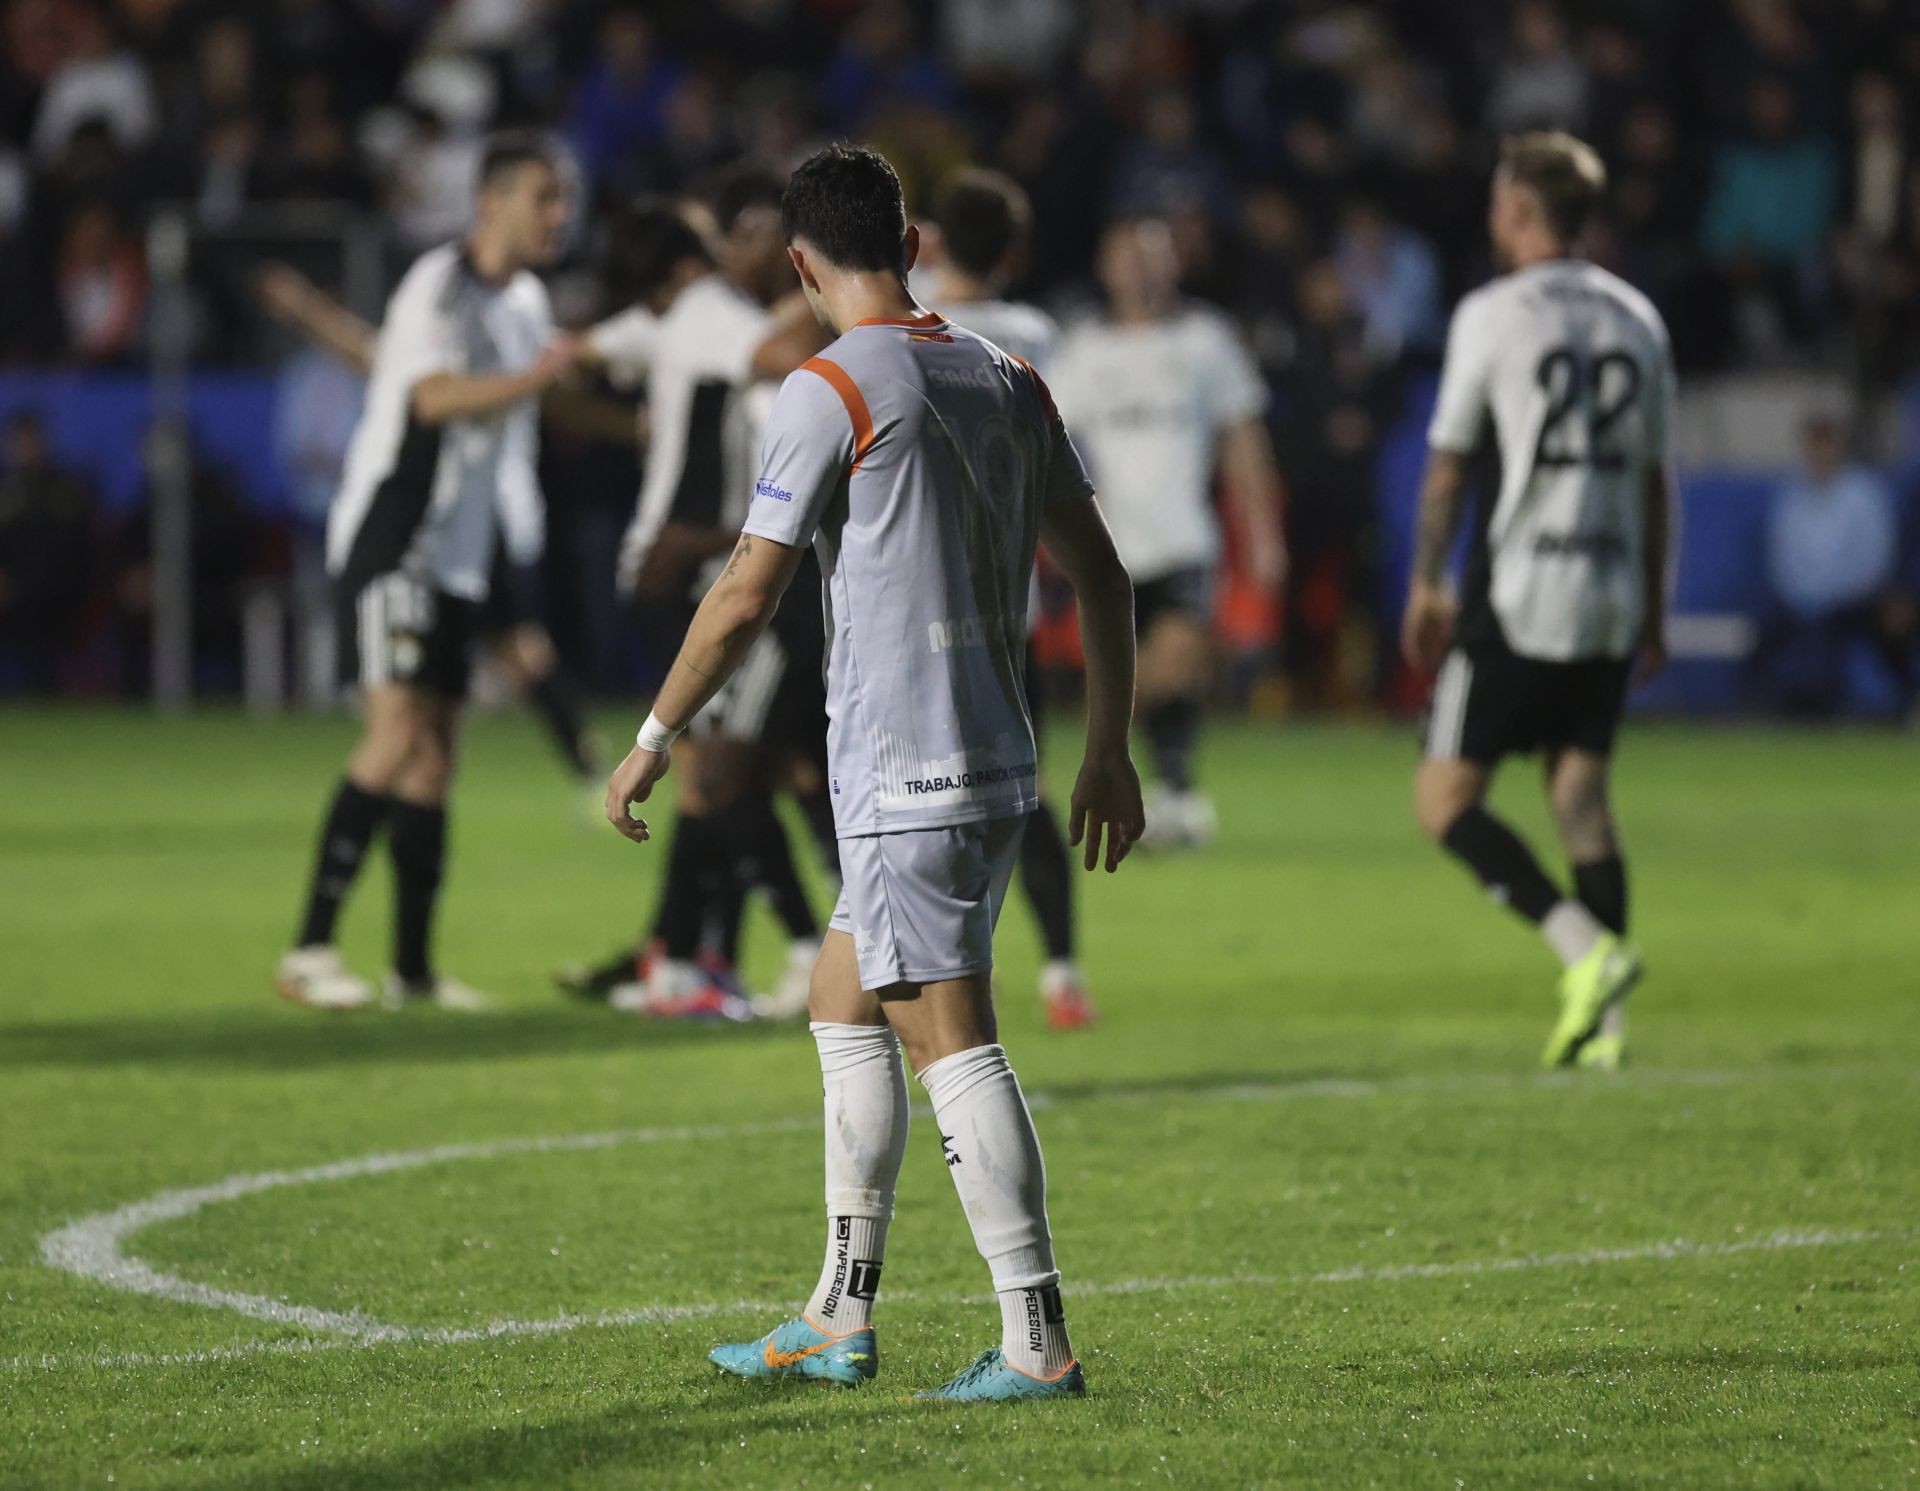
(1324, 164)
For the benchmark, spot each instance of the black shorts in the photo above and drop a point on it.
(397, 628)
(777, 698)
(1180, 592)
(1491, 702)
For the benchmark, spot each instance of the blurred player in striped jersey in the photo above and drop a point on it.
(451, 425)
(704, 336)
(983, 220)
(511, 624)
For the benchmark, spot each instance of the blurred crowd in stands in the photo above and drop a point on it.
(1323, 163)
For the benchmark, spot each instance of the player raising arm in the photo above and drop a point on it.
(1569, 370)
(923, 464)
(510, 623)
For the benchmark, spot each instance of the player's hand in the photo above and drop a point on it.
(1652, 661)
(1426, 631)
(556, 360)
(1106, 799)
(633, 781)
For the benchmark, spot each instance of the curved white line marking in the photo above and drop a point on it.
(1677, 1248)
(91, 1246)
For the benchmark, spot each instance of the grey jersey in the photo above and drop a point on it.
(431, 498)
(1031, 335)
(1569, 369)
(919, 460)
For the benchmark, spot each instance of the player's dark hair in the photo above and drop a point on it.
(983, 216)
(846, 201)
(740, 188)
(649, 237)
(507, 152)
(1565, 176)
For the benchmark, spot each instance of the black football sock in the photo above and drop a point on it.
(1048, 878)
(817, 808)
(677, 923)
(1172, 728)
(352, 820)
(559, 710)
(725, 903)
(1601, 885)
(417, 842)
(1504, 864)
(758, 849)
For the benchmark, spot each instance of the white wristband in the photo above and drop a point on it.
(655, 736)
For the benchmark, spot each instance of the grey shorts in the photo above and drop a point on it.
(921, 905)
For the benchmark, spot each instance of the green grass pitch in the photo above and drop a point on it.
(1322, 1224)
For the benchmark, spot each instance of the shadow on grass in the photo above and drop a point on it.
(778, 1434)
(644, 1444)
(274, 1039)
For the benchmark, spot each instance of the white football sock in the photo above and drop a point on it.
(993, 1155)
(1572, 931)
(866, 1136)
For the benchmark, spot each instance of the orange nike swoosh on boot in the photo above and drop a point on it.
(779, 1359)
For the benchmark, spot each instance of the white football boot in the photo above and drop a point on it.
(788, 998)
(446, 993)
(315, 976)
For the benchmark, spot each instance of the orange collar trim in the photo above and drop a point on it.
(913, 323)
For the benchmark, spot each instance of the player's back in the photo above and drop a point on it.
(927, 547)
(1573, 369)
(431, 493)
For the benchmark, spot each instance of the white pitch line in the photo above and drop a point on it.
(92, 1246)
(1669, 1250)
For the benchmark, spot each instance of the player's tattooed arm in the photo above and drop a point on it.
(730, 620)
(1442, 494)
(1426, 631)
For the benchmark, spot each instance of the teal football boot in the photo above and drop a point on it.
(991, 1380)
(800, 1349)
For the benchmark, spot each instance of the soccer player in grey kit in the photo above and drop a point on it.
(924, 464)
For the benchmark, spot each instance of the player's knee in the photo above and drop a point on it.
(1174, 657)
(1582, 812)
(532, 652)
(427, 771)
(383, 752)
(1438, 800)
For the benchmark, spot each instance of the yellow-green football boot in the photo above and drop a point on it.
(1588, 990)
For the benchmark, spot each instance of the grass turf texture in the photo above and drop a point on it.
(1311, 1093)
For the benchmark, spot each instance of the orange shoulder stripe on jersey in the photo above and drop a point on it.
(1040, 385)
(851, 396)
